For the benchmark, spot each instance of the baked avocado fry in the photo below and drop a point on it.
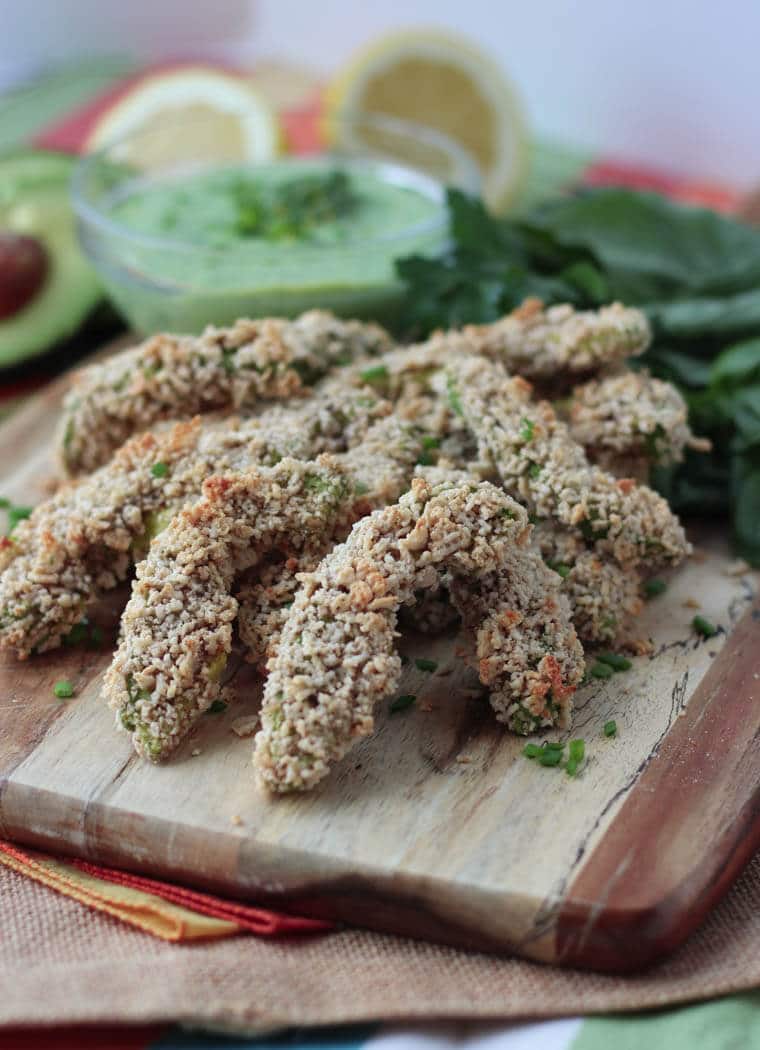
(83, 540)
(543, 467)
(177, 377)
(381, 467)
(604, 597)
(558, 342)
(631, 422)
(177, 627)
(336, 657)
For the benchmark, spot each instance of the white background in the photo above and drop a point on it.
(674, 82)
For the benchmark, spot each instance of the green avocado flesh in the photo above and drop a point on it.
(34, 202)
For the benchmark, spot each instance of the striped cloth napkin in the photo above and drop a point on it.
(162, 909)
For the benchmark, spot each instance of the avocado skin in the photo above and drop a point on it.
(35, 201)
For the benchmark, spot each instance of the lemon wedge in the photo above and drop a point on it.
(187, 114)
(442, 81)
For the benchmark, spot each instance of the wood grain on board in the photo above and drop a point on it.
(435, 826)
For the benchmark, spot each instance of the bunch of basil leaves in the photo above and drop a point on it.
(695, 273)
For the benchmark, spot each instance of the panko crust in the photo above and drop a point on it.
(175, 377)
(336, 657)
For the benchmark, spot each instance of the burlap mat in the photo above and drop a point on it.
(61, 963)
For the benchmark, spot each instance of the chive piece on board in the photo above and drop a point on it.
(63, 689)
(159, 470)
(217, 708)
(654, 587)
(615, 661)
(531, 750)
(600, 670)
(425, 665)
(549, 757)
(402, 702)
(576, 750)
(610, 728)
(704, 627)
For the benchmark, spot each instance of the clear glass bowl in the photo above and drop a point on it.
(161, 282)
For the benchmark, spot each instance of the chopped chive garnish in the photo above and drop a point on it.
(534, 470)
(63, 689)
(425, 460)
(425, 665)
(610, 728)
(553, 745)
(571, 767)
(704, 627)
(159, 470)
(600, 670)
(5, 503)
(576, 750)
(374, 375)
(217, 708)
(428, 441)
(654, 587)
(560, 568)
(402, 702)
(549, 757)
(453, 395)
(531, 750)
(526, 430)
(615, 661)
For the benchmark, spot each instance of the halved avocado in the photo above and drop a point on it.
(37, 230)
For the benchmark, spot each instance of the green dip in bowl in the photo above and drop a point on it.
(185, 243)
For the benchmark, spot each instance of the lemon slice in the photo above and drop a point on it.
(188, 114)
(445, 82)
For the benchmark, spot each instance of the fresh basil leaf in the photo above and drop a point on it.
(745, 408)
(738, 364)
(677, 366)
(725, 318)
(589, 280)
(648, 245)
(747, 516)
(699, 485)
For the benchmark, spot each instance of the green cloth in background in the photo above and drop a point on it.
(28, 108)
(732, 1023)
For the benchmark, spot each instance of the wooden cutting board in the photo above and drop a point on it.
(436, 826)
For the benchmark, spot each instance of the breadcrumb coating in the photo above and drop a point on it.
(381, 468)
(177, 627)
(336, 657)
(83, 540)
(604, 598)
(548, 343)
(541, 466)
(631, 419)
(175, 377)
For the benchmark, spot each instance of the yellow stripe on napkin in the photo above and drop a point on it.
(148, 912)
